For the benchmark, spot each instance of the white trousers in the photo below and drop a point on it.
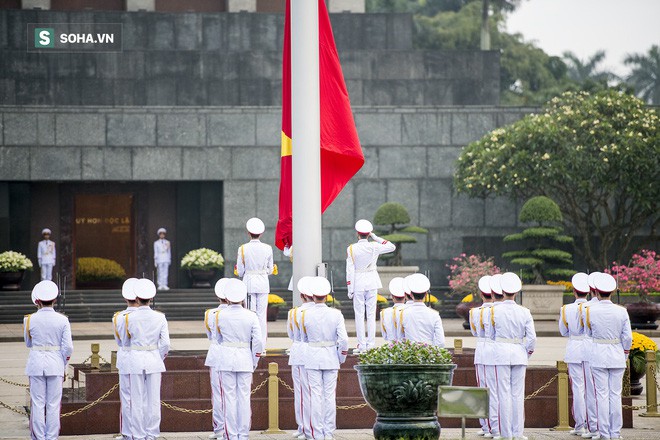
(125, 424)
(323, 387)
(47, 272)
(365, 301)
(511, 394)
(609, 384)
(259, 304)
(300, 388)
(590, 398)
(145, 405)
(480, 371)
(45, 403)
(163, 271)
(576, 374)
(217, 401)
(236, 395)
(493, 399)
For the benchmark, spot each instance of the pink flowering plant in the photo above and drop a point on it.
(641, 275)
(466, 271)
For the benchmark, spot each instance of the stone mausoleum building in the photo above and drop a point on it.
(181, 129)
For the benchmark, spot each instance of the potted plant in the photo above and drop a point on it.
(331, 301)
(98, 273)
(400, 382)
(381, 303)
(12, 269)
(641, 276)
(640, 345)
(392, 222)
(202, 265)
(274, 304)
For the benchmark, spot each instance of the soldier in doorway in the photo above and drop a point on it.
(46, 255)
(162, 258)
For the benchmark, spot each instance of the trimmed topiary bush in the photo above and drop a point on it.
(394, 216)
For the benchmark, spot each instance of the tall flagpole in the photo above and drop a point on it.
(306, 140)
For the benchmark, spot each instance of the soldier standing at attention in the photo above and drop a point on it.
(363, 281)
(210, 317)
(48, 336)
(162, 258)
(46, 255)
(150, 343)
(123, 354)
(253, 265)
(418, 322)
(239, 336)
(609, 326)
(571, 326)
(589, 386)
(389, 317)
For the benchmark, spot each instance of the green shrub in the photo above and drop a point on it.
(406, 352)
(98, 269)
(395, 217)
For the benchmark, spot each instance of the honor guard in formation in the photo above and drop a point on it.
(162, 258)
(239, 335)
(417, 322)
(253, 265)
(48, 336)
(571, 326)
(212, 360)
(123, 354)
(589, 385)
(324, 332)
(149, 341)
(477, 329)
(389, 317)
(46, 255)
(363, 281)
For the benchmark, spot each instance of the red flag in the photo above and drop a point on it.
(341, 154)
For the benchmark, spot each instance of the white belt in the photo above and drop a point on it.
(323, 344)
(577, 338)
(144, 347)
(46, 347)
(124, 348)
(214, 342)
(365, 270)
(607, 341)
(256, 272)
(480, 339)
(509, 341)
(236, 344)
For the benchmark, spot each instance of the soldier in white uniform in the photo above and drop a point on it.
(46, 255)
(490, 347)
(324, 331)
(150, 343)
(477, 329)
(609, 326)
(513, 331)
(363, 281)
(589, 385)
(124, 347)
(288, 252)
(389, 317)
(48, 336)
(253, 265)
(239, 336)
(297, 356)
(571, 326)
(162, 258)
(210, 317)
(418, 322)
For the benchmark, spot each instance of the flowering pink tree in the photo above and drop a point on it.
(466, 271)
(642, 275)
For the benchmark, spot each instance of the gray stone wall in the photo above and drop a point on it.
(410, 154)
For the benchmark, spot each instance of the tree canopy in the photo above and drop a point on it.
(645, 75)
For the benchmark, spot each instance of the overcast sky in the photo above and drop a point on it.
(584, 26)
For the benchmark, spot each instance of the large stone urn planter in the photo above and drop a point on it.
(405, 398)
(543, 301)
(11, 280)
(202, 278)
(643, 315)
(463, 310)
(386, 274)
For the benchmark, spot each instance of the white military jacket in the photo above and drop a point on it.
(46, 252)
(571, 325)
(419, 323)
(389, 322)
(511, 327)
(211, 327)
(324, 330)
(485, 331)
(239, 336)
(588, 344)
(122, 339)
(297, 353)
(47, 334)
(478, 330)
(149, 340)
(361, 258)
(609, 326)
(254, 263)
(162, 251)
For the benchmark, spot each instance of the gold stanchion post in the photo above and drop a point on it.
(95, 360)
(273, 400)
(458, 346)
(651, 386)
(113, 360)
(562, 397)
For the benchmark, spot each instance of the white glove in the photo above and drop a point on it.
(374, 237)
(350, 295)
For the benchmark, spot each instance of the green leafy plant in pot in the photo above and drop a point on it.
(393, 221)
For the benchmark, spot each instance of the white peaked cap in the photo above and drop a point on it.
(591, 278)
(396, 287)
(235, 290)
(255, 226)
(128, 289)
(406, 286)
(605, 283)
(510, 283)
(580, 282)
(320, 286)
(219, 288)
(304, 285)
(364, 226)
(484, 284)
(45, 231)
(161, 230)
(419, 283)
(45, 290)
(145, 288)
(495, 286)
(34, 298)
